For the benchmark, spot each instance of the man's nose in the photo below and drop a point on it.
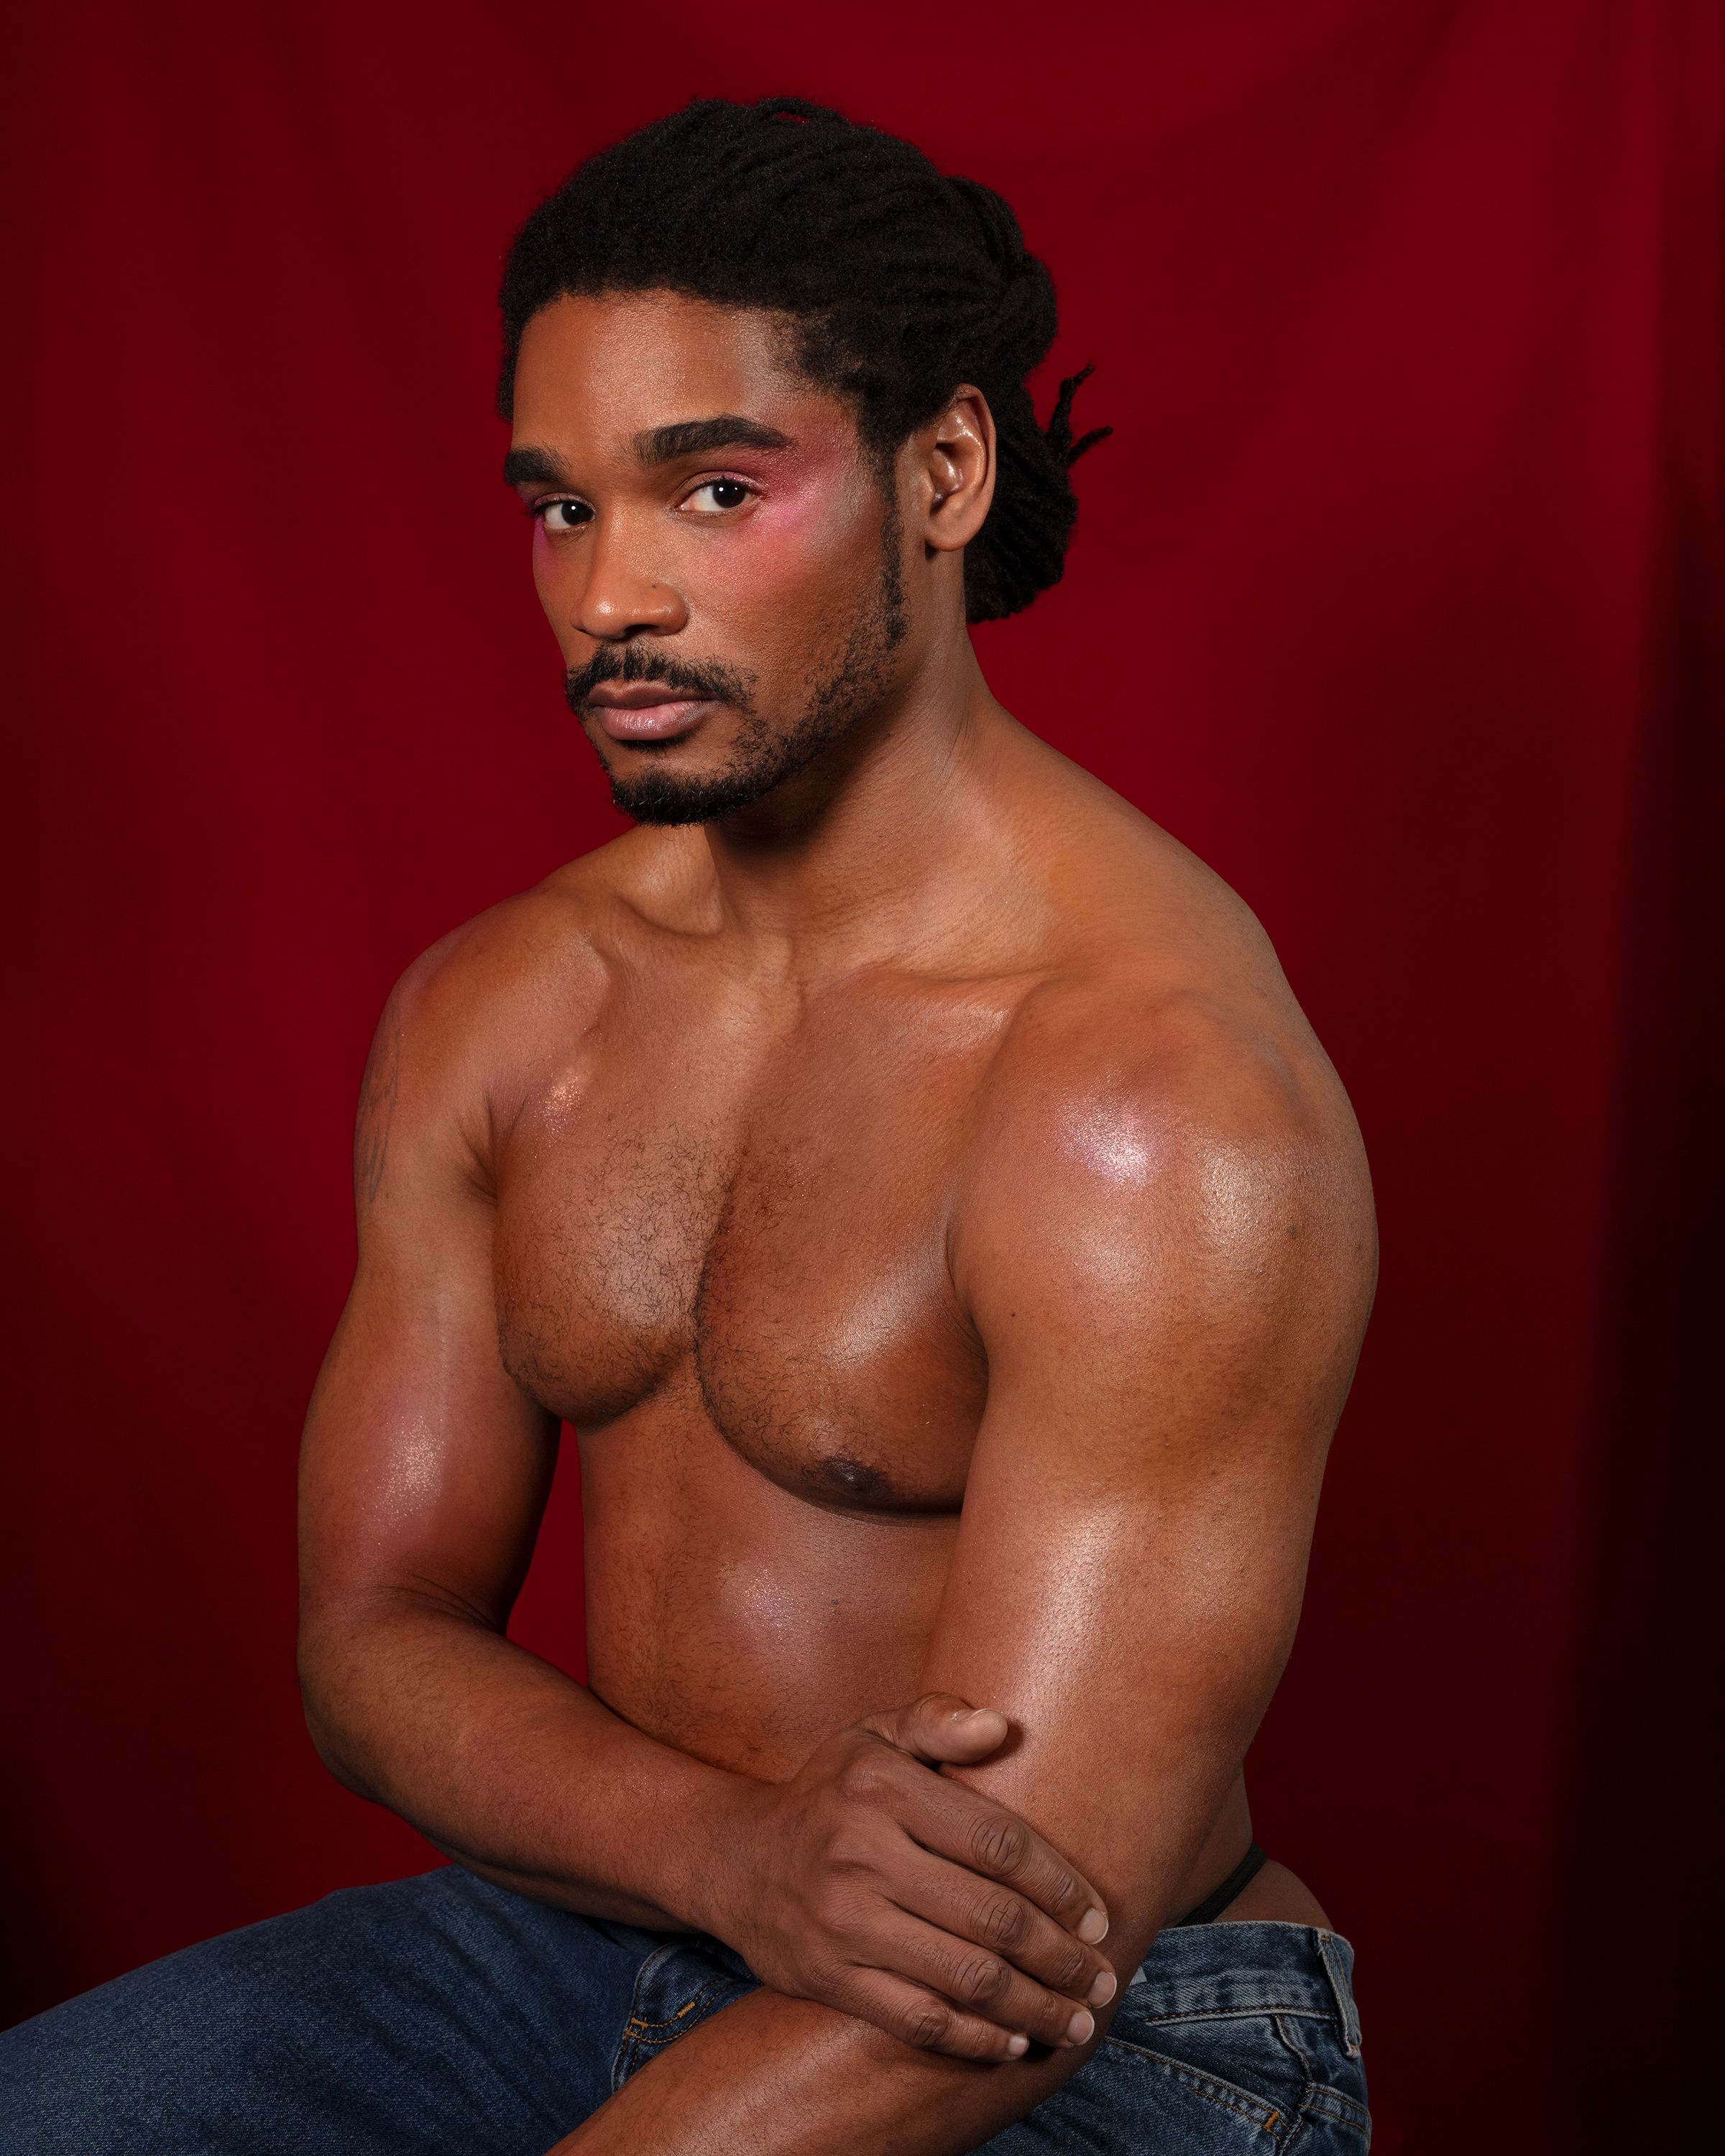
(624, 592)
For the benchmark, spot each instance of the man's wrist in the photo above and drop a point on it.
(714, 1876)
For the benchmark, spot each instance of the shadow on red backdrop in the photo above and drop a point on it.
(1406, 317)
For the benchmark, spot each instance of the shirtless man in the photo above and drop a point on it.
(908, 1170)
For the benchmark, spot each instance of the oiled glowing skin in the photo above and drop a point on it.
(742, 1303)
(925, 1197)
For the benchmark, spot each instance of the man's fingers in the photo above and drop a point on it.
(981, 1984)
(987, 1914)
(924, 2019)
(916, 2016)
(942, 1727)
(954, 1822)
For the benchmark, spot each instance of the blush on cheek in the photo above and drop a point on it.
(816, 526)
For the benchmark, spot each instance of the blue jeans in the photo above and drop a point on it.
(442, 2015)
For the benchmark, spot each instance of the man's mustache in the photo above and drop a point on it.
(640, 662)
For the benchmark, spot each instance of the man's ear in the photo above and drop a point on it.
(954, 471)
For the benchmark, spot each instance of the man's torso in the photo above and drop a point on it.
(725, 1209)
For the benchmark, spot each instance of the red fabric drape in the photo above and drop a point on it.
(1406, 318)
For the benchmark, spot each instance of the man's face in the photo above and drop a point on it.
(715, 554)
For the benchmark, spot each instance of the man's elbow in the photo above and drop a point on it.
(335, 1660)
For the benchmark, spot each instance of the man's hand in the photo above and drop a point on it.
(874, 1885)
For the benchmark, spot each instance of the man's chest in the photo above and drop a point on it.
(762, 1236)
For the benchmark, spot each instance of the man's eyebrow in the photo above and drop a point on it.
(525, 467)
(657, 445)
(695, 437)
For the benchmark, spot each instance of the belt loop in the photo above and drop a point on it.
(1330, 1953)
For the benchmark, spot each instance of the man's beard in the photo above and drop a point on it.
(762, 760)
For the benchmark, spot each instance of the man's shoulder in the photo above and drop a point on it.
(1164, 1048)
(1141, 1125)
(1118, 1043)
(566, 936)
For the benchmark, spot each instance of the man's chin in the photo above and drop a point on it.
(666, 799)
(653, 792)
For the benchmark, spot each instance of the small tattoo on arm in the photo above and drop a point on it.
(377, 1105)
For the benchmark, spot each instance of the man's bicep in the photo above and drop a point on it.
(425, 1468)
(1132, 1636)
(1165, 1365)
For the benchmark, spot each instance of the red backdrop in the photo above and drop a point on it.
(1406, 314)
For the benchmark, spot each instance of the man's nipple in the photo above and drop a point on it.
(855, 1479)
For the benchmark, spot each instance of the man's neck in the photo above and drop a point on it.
(883, 843)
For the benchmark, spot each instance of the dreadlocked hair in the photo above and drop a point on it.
(899, 285)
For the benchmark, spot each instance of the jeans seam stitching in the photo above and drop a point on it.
(623, 2061)
(1226, 2095)
(1343, 1991)
(1234, 2013)
(1321, 2100)
(1289, 2039)
(1330, 2103)
(639, 2026)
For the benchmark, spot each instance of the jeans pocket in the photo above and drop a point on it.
(1269, 2073)
(678, 1987)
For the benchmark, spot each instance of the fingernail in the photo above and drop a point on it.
(1079, 2028)
(1103, 1989)
(1094, 1928)
(1016, 2046)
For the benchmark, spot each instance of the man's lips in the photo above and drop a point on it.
(645, 710)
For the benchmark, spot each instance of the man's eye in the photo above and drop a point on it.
(719, 494)
(565, 515)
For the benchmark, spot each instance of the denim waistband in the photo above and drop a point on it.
(1246, 1968)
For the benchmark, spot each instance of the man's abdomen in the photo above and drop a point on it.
(733, 1620)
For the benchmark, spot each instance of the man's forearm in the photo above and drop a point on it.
(783, 2076)
(512, 1768)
